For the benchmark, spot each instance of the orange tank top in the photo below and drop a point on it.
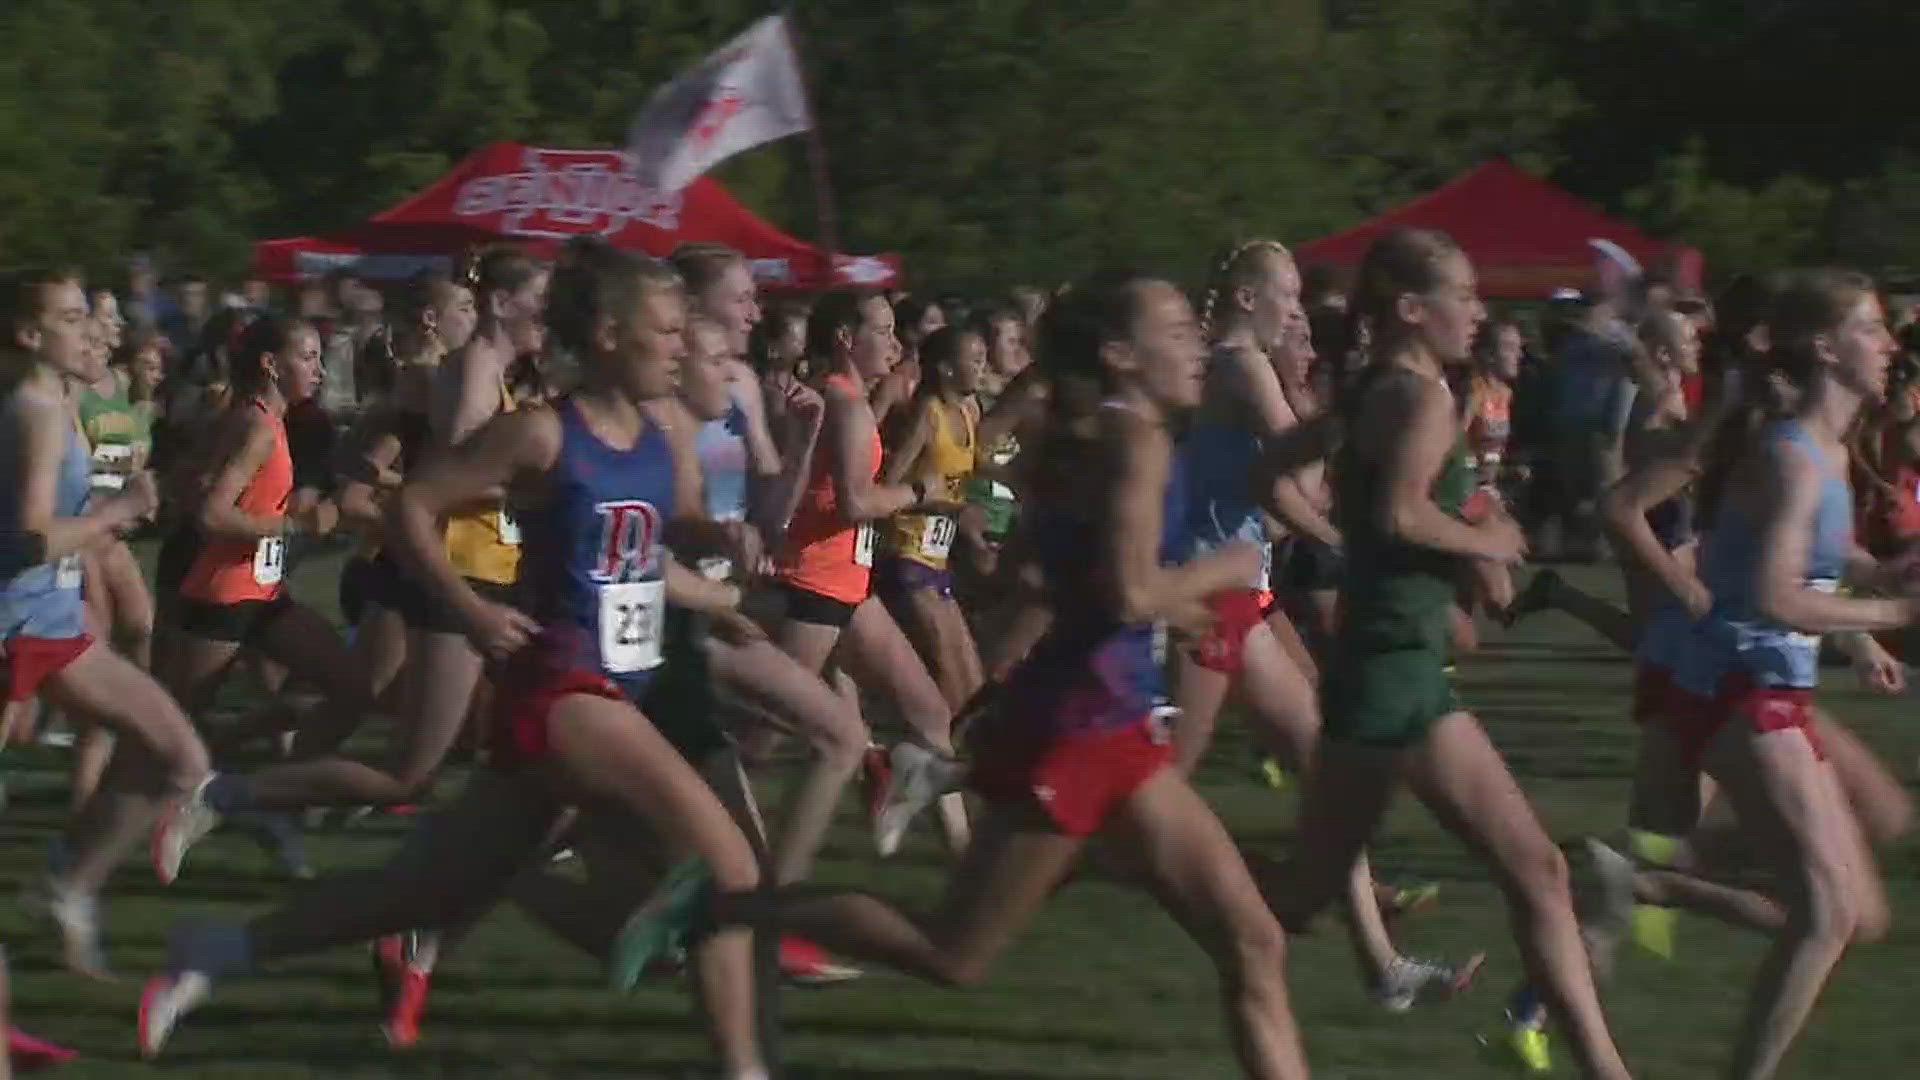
(228, 571)
(824, 553)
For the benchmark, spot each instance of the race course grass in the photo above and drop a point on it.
(1104, 987)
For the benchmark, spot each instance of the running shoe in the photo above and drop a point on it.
(1518, 1047)
(917, 776)
(803, 963)
(1272, 774)
(1408, 980)
(660, 926)
(181, 826)
(77, 917)
(1539, 595)
(1613, 915)
(1399, 901)
(29, 1054)
(404, 971)
(166, 1000)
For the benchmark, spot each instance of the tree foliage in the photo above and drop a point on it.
(986, 140)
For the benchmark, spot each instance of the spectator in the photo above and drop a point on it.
(192, 305)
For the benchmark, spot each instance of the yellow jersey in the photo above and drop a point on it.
(928, 538)
(483, 543)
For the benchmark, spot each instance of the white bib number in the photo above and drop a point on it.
(66, 572)
(630, 618)
(270, 560)
(863, 544)
(110, 463)
(1812, 641)
(936, 539)
(509, 528)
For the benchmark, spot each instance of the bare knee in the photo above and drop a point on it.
(839, 737)
(1257, 954)
(1540, 873)
(1872, 921)
(733, 865)
(1827, 909)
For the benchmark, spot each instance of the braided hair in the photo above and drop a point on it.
(1243, 264)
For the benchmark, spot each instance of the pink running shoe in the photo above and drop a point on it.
(29, 1054)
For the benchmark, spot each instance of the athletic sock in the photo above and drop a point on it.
(1653, 925)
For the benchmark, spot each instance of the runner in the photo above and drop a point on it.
(1252, 306)
(825, 566)
(1388, 708)
(234, 594)
(1781, 543)
(596, 480)
(939, 439)
(1080, 747)
(52, 520)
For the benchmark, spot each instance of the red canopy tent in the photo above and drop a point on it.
(1525, 236)
(539, 197)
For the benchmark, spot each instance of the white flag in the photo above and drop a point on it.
(746, 94)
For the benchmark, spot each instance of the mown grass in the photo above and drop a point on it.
(1102, 988)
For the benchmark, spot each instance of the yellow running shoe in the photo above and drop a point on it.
(1653, 929)
(1273, 775)
(1518, 1049)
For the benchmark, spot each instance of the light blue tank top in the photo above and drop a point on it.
(39, 599)
(722, 447)
(1735, 638)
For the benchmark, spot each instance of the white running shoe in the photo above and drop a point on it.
(1407, 980)
(77, 916)
(917, 777)
(181, 826)
(1609, 925)
(165, 1001)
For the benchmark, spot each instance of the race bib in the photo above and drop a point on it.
(509, 528)
(715, 568)
(936, 538)
(1812, 641)
(1160, 722)
(863, 544)
(110, 464)
(1266, 567)
(630, 618)
(270, 560)
(66, 572)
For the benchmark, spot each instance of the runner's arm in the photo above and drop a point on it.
(1624, 508)
(220, 513)
(910, 441)
(849, 431)
(1789, 504)
(1408, 510)
(43, 434)
(526, 441)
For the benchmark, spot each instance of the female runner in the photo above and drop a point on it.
(1081, 746)
(1387, 705)
(596, 480)
(825, 572)
(234, 594)
(1780, 544)
(50, 520)
(939, 439)
(1255, 302)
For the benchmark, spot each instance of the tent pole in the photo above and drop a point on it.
(816, 148)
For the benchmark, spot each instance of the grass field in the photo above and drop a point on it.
(1103, 987)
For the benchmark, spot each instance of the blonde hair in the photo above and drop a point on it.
(1241, 265)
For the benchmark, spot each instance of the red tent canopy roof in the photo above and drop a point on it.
(539, 197)
(1526, 237)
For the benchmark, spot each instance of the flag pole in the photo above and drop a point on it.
(824, 219)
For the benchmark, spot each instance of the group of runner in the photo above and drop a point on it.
(627, 528)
